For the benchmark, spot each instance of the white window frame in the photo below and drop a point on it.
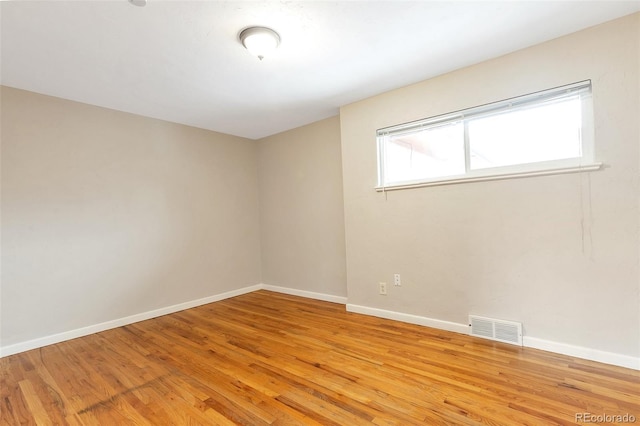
(572, 165)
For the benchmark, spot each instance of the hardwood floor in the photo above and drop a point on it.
(269, 358)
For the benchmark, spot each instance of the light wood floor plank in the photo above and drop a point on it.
(272, 359)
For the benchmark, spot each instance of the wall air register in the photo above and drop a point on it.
(495, 329)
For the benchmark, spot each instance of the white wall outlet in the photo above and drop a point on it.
(383, 288)
(396, 280)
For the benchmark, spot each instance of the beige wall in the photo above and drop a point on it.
(559, 253)
(302, 219)
(106, 214)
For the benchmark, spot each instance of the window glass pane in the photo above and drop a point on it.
(429, 153)
(550, 131)
(541, 131)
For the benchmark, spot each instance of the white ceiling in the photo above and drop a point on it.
(181, 61)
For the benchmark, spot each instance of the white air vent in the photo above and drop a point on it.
(494, 329)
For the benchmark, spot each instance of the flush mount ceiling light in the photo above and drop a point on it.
(259, 41)
(140, 3)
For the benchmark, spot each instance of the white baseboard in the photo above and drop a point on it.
(412, 319)
(308, 294)
(582, 352)
(96, 328)
(84, 331)
(529, 342)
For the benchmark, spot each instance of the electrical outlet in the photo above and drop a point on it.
(396, 280)
(383, 288)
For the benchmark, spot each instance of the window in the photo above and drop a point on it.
(541, 133)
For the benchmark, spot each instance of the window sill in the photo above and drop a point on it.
(513, 175)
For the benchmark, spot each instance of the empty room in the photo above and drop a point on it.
(320, 212)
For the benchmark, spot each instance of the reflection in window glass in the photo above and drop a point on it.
(429, 153)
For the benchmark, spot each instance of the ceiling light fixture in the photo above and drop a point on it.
(140, 3)
(259, 41)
